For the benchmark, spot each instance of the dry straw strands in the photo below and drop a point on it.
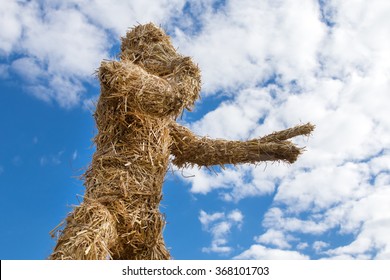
(142, 94)
(189, 149)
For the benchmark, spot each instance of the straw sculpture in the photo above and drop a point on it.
(142, 95)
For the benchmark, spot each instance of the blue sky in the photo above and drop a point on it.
(266, 65)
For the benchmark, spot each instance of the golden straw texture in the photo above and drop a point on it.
(141, 97)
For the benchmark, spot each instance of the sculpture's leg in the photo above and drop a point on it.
(142, 252)
(88, 234)
(140, 236)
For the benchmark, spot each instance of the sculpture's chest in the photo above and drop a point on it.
(148, 140)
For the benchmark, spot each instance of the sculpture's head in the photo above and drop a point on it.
(151, 48)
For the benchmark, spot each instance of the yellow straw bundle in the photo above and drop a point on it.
(142, 94)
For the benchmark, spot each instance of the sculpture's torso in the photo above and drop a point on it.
(128, 171)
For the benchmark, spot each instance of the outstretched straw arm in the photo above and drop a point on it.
(189, 149)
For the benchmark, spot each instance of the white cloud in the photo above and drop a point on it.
(259, 252)
(219, 225)
(335, 76)
(369, 218)
(90, 103)
(302, 246)
(53, 159)
(248, 41)
(60, 44)
(63, 39)
(312, 190)
(318, 246)
(236, 216)
(58, 51)
(205, 219)
(12, 27)
(276, 238)
(28, 68)
(238, 118)
(277, 219)
(365, 217)
(74, 155)
(232, 182)
(120, 15)
(204, 181)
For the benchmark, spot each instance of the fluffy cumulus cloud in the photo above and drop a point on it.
(246, 42)
(118, 15)
(327, 63)
(219, 225)
(277, 64)
(9, 19)
(259, 252)
(55, 46)
(274, 237)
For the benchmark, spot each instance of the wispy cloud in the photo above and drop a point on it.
(11, 34)
(248, 41)
(60, 49)
(303, 62)
(260, 252)
(74, 155)
(60, 44)
(276, 238)
(219, 226)
(52, 159)
(319, 246)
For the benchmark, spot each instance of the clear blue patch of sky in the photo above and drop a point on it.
(204, 105)
(115, 48)
(36, 194)
(183, 233)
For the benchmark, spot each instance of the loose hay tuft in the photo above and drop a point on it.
(141, 97)
(89, 233)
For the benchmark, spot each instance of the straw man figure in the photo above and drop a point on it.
(142, 95)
